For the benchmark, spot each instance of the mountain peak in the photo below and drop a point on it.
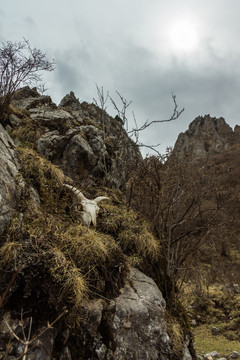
(205, 136)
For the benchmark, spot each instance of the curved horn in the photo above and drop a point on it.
(100, 198)
(77, 192)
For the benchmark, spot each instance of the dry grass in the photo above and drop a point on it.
(87, 246)
(73, 286)
(35, 165)
(28, 132)
(9, 254)
(175, 332)
(130, 232)
(97, 256)
(43, 175)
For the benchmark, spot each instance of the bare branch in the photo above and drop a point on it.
(175, 115)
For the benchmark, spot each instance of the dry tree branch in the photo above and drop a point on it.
(27, 341)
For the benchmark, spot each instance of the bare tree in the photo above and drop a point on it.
(136, 129)
(183, 202)
(20, 64)
(122, 106)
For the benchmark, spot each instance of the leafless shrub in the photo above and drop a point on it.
(20, 64)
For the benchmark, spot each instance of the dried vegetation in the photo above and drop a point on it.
(60, 262)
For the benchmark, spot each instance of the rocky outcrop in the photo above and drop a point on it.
(83, 140)
(10, 183)
(205, 136)
(137, 317)
(26, 98)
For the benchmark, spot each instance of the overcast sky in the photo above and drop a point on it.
(145, 49)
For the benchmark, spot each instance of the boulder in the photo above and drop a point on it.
(78, 157)
(215, 331)
(54, 119)
(131, 326)
(234, 355)
(70, 102)
(27, 98)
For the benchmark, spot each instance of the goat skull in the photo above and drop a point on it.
(90, 207)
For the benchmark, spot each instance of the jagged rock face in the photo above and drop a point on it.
(27, 98)
(205, 136)
(79, 137)
(10, 185)
(70, 102)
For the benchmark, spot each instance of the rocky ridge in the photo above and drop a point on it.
(80, 138)
(206, 136)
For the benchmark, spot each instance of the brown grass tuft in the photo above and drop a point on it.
(131, 232)
(9, 253)
(73, 286)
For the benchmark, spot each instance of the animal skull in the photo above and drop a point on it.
(90, 207)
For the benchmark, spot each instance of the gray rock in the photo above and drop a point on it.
(70, 102)
(214, 354)
(234, 355)
(54, 119)
(52, 144)
(94, 137)
(186, 354)
(27, 98)
(131, 326)
(215, 331)
(207, 357)
(43, 347)
(236, 288)
(14, 120)
(138, 324)
(205, 135)
(78, 157)
(11, 186)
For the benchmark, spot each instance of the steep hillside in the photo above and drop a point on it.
(71, 291)
(81, 139)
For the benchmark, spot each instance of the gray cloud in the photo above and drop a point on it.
(125, 46)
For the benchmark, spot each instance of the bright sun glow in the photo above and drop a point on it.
(182, 35)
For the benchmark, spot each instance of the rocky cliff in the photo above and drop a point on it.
(69, 291)
(80, 138)
(206, 136)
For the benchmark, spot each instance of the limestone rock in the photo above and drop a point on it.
(57, 119)
(78, 157)
(80, 138)
(10, 185)
(234, 355)
(138, 326)
(205, 136)
(70, 102)
(215, 331)
(27, 98)
(133, 325)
